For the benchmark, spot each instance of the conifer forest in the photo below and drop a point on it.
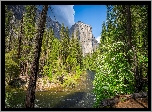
(43, 71)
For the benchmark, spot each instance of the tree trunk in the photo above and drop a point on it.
(19, 46)
(10, 38)
(137, 73)
(128, 27)
(30, 95)
(19, 39)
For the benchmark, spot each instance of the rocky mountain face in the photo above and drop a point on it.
(87, 41)
(18, 11)
(55, 25)
(85, 36)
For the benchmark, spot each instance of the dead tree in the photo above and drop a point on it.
(30, 95)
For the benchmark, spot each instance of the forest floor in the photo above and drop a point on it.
(135, 100)
(133, 103)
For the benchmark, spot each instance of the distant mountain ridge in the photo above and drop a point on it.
(87, 40)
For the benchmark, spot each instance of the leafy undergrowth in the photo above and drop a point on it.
(69, 82)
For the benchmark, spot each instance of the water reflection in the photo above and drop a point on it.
(81, 97)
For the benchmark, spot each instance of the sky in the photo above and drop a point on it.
(93, 15)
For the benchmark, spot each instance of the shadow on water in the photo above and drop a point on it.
(70, 100)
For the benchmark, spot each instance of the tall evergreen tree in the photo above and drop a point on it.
(30, 96)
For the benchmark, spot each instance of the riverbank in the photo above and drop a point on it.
(80, 96)
(44, 84)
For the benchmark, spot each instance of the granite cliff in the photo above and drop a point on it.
(85, 36)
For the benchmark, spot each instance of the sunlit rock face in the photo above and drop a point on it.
(87, 41)
(85, 36)
(55, 25)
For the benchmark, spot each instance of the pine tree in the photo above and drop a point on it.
(8, 29)
(30, 96)
(79, 51)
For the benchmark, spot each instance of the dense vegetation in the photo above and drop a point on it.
(120, 62)
(60, 59)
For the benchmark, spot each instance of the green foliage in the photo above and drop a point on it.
(71, 79)
(47, 71)
(89, 61)
(112, 71)
(28, 33)
(115, 63)
(60, 58)
(115, 74)
(69, 82)
(49, 54)
(8, 98)
(11, 66)
(78, 70)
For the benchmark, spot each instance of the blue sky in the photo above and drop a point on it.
(93, 15)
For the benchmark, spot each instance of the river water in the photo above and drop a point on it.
(83, 97)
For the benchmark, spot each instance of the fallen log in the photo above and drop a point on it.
(111, 102)
(139, 95)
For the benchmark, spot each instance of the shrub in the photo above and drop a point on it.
(11, 66)
(113, 74)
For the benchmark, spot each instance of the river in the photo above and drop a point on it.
(81, 98)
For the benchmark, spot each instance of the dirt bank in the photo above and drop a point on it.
(135, 100)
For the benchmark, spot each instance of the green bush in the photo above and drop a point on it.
(11, 66)
(8, 97)
(113, 74)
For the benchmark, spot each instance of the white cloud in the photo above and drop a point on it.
(63, 14)
(98, 39)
